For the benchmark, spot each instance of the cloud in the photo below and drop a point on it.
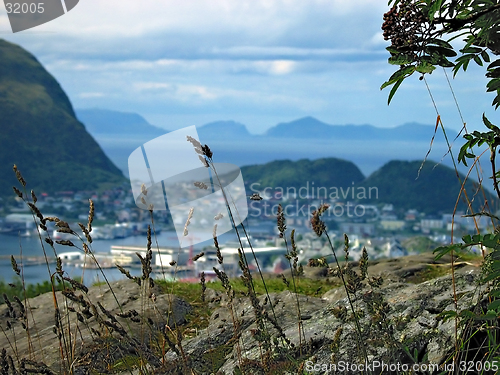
(85, 95)
(175, 91)
(198, 29)
(213, 59)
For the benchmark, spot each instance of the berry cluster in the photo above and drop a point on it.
(406, 27)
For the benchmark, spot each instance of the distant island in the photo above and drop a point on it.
(370, 147)
(433, 189)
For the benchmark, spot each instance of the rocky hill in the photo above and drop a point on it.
(40, 133)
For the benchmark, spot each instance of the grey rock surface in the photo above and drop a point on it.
(408, 319)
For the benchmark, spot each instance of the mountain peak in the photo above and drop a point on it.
(223, 130)
(105, 121)
(306, 127)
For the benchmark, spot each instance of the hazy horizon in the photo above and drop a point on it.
(256, 62)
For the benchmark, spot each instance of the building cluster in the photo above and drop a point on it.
(379, 228)
(115, 213)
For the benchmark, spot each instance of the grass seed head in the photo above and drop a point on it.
(201, 185)
(14, 265)
(33, 196)
(198, 256)
(317, 225)
(18, 192)
(19, 176)
(91, 215)
(281, 220)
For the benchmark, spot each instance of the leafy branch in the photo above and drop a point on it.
(420, 32)
(476, 138)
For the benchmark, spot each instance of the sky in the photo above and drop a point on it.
(259, 62)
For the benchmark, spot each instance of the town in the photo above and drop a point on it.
(382, 229)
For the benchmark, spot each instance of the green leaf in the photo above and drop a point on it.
(485, 56)
(478, 60)
(496, 101)
(425, 67)
(443, 51)
(488, 124)
(493, 73)
(456, 68)
(463, 154)
(394, 89)
(491, 241)
(434, 8)
(447, 315)
(495, 255)
(495, 293)
(491, 276)
(440, 43)
(463, 14)
(393, 50)
(468, 137)
(467, 314)
(397, 75)
(494, 64)
(489, 316)
(465, 58)
(473, 50)
(401, 59)
(443, 250)
(433, 60)
(465, 65)
(494, 305)
(493, 85)
(445, 63)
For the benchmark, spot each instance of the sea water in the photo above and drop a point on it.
(23, 247)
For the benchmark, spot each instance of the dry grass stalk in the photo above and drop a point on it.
(190, 216)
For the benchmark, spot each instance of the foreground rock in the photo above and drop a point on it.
(150, 311)
(328, 330)
(136, 327)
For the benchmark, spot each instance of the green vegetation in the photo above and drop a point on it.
(327, 172)
(273, 283)
(34, 110)
(119, 345)
(17, 289)
(432, 190)
(420, 33)
(419, 244)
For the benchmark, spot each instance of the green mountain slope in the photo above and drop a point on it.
(435, 190)
(327, 172)
(39, 131)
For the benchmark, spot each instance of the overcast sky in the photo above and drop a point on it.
(260, 62)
